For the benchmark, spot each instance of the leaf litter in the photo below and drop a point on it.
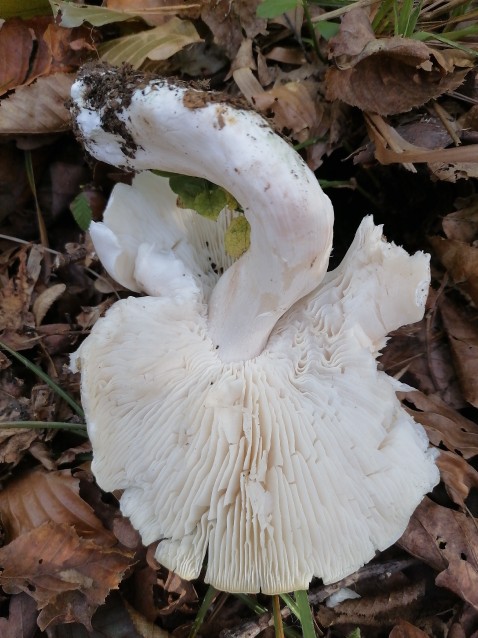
(366, 95)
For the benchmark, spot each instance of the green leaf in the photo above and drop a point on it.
(327, 29)
(355, 633)
(274, 8)
(238, 237)
(198, 194)
(81, 209)
(24, 9)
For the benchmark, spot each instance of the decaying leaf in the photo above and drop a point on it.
(37, 497)
(22, 618)
(37, 107)
(444, 426)
(388, 75)
(294, 106)
(447, 541)
(37, 47)
(462, 332)
(462, 225)
(458, 476)
(461, 262)
(159, 43)
(67, 575)
(228, 20)
(406, 630)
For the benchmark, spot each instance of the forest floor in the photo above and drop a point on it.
(381, 99)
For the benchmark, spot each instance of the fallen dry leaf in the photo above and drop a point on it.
(447, 541)
(462, 332)
(443, 424)
(387, 75)
(405, 630)
(458, 476)
(294, 107)
(68, 576)
(24, 54)
(462, 225)
(37, 497)
(22, 618)
(38, 107)
(227, 20)
(461, 262)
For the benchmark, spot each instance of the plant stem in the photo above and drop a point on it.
(278, 626)
(76, 428)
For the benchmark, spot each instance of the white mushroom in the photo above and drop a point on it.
(250, 424)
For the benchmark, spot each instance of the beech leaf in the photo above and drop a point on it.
(68, 576)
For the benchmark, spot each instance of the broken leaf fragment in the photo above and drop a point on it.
(238, 237)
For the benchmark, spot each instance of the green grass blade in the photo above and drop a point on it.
(291, 604)
(206, 603)
(76, 428)
(44, 377)
(305, 614)
(252, 603)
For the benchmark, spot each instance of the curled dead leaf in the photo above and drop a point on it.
(388, 75)
(458, 476)
(447, 541)
(68, 576)
(37, 497)
(443, 425)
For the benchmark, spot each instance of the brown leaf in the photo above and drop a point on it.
(294, 106)
(37, 497)
(462, 225)
(443, 424)
(16, 292)
(447, 541)
(227, 20)
(22, 618)
(354, 34)
(461, 263)
(23, 53)
(68, 576)
(458, 476)
(405, 630)
(462, 332)
(177, 593)
(387, 75)
(38, 107)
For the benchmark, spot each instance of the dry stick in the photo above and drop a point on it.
(443, 116)
(253, 627)
(338, 12)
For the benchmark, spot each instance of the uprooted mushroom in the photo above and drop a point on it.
(242, 414)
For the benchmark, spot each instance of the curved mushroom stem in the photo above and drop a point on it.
(126, 121)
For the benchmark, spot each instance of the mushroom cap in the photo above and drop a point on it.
(296, 463)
